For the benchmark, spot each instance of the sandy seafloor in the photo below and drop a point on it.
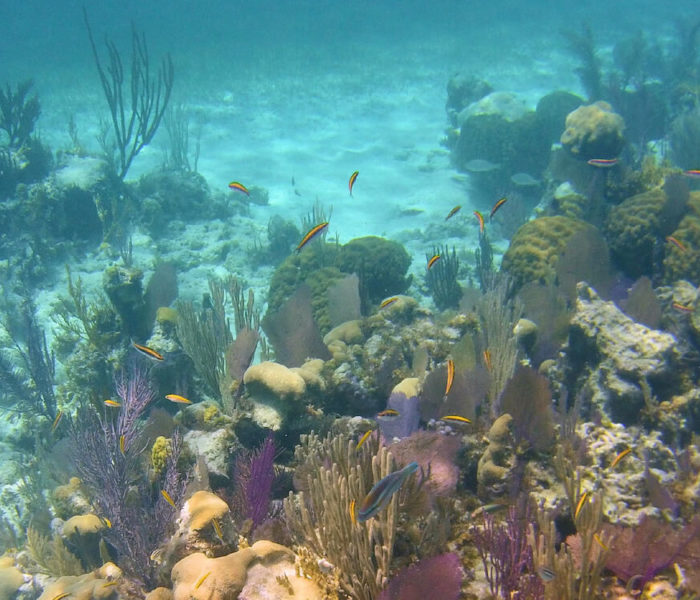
(313, 91)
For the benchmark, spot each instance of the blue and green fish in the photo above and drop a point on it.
(382, 491)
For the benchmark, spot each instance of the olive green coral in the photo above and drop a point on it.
(536, 247)
(159, 454)
(685, 263)
(632, 229)
(380, 264)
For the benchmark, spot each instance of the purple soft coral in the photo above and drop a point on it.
(255, 474)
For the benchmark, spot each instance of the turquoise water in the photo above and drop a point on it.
(436, 106)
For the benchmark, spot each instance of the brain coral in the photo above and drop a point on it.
(536, 247)
(685, 264)
(632, 229)
(594, 131)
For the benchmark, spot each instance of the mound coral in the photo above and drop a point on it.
(276, 392)
(264, 570)
(685, 264)
(98, 585)
(202, 508)
(380, 264)
(536, 247)
(635, 227)
(594, 131)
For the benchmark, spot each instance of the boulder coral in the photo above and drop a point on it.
(263, 570)
(97, 585)
(201, 509)
(594, 131)
(496, 466)
(276, 392)
(380, 264)
(634, 228)
(685, 263)
(11, 578)
(536, 247)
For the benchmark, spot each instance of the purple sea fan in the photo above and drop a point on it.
(254, 476)
(436, 577)
(507, 557)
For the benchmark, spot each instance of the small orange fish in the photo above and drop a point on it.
(682, 307)
(313, 232)
(388, 412)
(456, 419)
(110, 584)
(619, 457)
(112, 403)
(480, 218)
(450, 376)
(580, 504)
(363, 439)
(695, 173)
(388, 301)
(498, 205)
(433, 260)
(178, 399)
(107, 522)
(200, 581)
(487, 359)
(149, 352)
(596, 537)
(60, 596)
(122, 445)
(353, 178)
(676, 243)
(353, 512)
(453, 212)
(168, 499)
(56, 421)
(603, 163)
(234, 185)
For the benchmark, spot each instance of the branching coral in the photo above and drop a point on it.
(107, 455)
(51, 555)
(135, 120)
(441, 279)
(321, 517)
(498, 315)
(31, 386)
(18, 113)
(507, 557)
